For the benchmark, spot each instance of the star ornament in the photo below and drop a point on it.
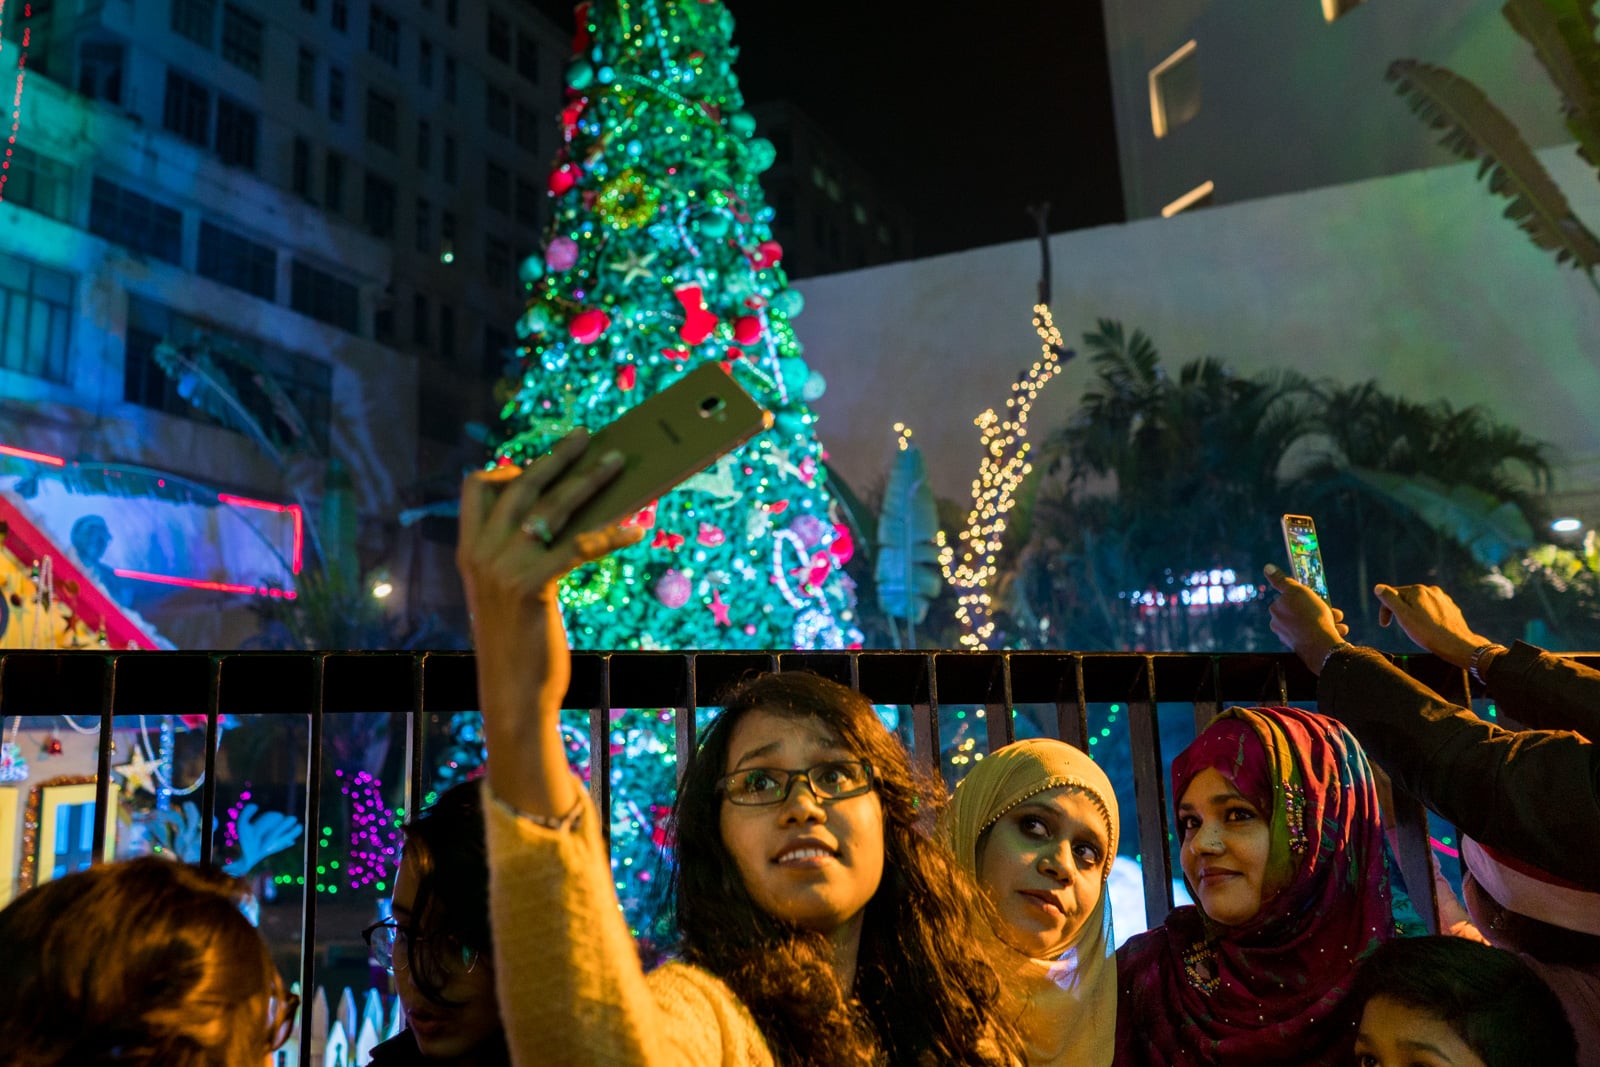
(634, 267)
(138, 772)
(719, 610)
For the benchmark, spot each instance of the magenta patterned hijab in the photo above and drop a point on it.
(1275, 989)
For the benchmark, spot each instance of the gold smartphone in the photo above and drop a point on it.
(681, 430)
(1305, 553)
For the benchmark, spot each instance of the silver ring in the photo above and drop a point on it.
(537, 526)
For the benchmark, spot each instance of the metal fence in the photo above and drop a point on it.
(318, 685)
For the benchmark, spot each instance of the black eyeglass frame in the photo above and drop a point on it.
(470, 955)
(788, 778)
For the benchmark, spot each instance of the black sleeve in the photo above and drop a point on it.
(1534, 794)
(1545, 691)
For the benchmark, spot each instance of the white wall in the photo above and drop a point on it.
(1413, 280)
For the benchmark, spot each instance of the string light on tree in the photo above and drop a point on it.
(1002, 469)
(16, 97)
(374, 833)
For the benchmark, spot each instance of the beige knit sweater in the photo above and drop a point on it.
(571, 990)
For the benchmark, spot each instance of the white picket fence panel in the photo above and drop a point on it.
(342, 1038)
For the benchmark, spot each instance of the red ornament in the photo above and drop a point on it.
(677, 355)
(580, 39)
(563, 178)
(766, 254)
(503, 461)
(755, 301)
(726, 365)
(570, 115)
(627, 377)
(815, 572)
(698, 322)
(844, 544)
(778, 507)
(710, 536)
(644, 518)
(51, 746)
(663, 539)
(747, 329)
(808, 470)
(587, 326)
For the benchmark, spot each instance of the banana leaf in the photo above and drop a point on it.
(1491, 529)
(1562, 33)
(1476, 129)
(907, 572)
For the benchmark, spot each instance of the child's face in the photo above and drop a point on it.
(1393, 1034)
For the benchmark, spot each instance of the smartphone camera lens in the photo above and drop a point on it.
(712, 406)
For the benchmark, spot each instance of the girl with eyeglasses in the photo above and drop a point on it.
(145, 963)
(818, 921)
(437, 941)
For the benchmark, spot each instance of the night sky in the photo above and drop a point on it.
(975, 111)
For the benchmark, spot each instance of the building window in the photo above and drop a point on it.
(336, 94)
(305, 77)
(378, 206)
(235, 260)
(35, 319)
(187, 111)
(135, 222)
(447, 331)
(307, 382)
(451, 12)
(1202, 195)
(323, 297)
(424, 226)
(1332, 9)
(449, 161)
(383, 35)
(527, 128)
(424, 145)
(420, 334)
(100, 66)
(39, 183)
(309, 6)
(528, 199)
(196, 20)
(1175, 90)
(241, 40)
(339, 15)
(300, 172)
(528, 57)
(450, 79)
(383, 323)
(497, 187)
(497, 352)
(497, 110)
(333, 182)
(382, 120)
(499, 42)
(425, 63)
(238, 133)
(497, 262)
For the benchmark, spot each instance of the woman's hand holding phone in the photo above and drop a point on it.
(515, 545)
(1303, 620)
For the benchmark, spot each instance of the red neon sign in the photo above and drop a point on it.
(196, 583)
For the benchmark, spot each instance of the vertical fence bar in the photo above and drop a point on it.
(925, 720)
(683, 719)
(102, 773)
(208, 787)
(1206, 710)
(1150, 796)
(997, 717)
(1072, 719)
(313, 834)
(416, 719)
(600, 750)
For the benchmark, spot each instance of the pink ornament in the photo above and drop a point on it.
(767, 254)
(627, 377)
(844, 544)
(747, 329)
(719, 610)
(561, 254)
(673, 589)
(587, 326)
(810, 529)
(563, 178)
(710, 536)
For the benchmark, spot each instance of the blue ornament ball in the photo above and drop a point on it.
(814, 387)
(713, 224)
(580, 75)
(760, 154)
(788, 302)
(742, 123)
(530, 270)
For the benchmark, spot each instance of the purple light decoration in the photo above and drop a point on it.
(374, 833)
(230, 829)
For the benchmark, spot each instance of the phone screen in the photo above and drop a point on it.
(1305, 554)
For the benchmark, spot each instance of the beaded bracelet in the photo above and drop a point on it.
(1340, 647)
(569, 821)
(1476, 660)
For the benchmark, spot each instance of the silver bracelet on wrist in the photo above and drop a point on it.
(1475, 661)
(569, 821)
(1340, 647)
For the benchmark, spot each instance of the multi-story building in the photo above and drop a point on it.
(1225, 102)
(342, 190)
(831, 215)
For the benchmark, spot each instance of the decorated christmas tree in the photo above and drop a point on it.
(659, 257)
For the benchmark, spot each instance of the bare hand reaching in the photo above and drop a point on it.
(1431, 619)
(514, 548)
(1303, 621)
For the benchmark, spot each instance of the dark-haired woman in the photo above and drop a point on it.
(148, 963)
(437, 942)
(819, 922)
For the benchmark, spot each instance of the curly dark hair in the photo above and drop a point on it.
(143, 963)
(445, 843)
(924, 993)
(1495, 1002)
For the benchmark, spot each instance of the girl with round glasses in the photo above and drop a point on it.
(818, 922)
(437, 941)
